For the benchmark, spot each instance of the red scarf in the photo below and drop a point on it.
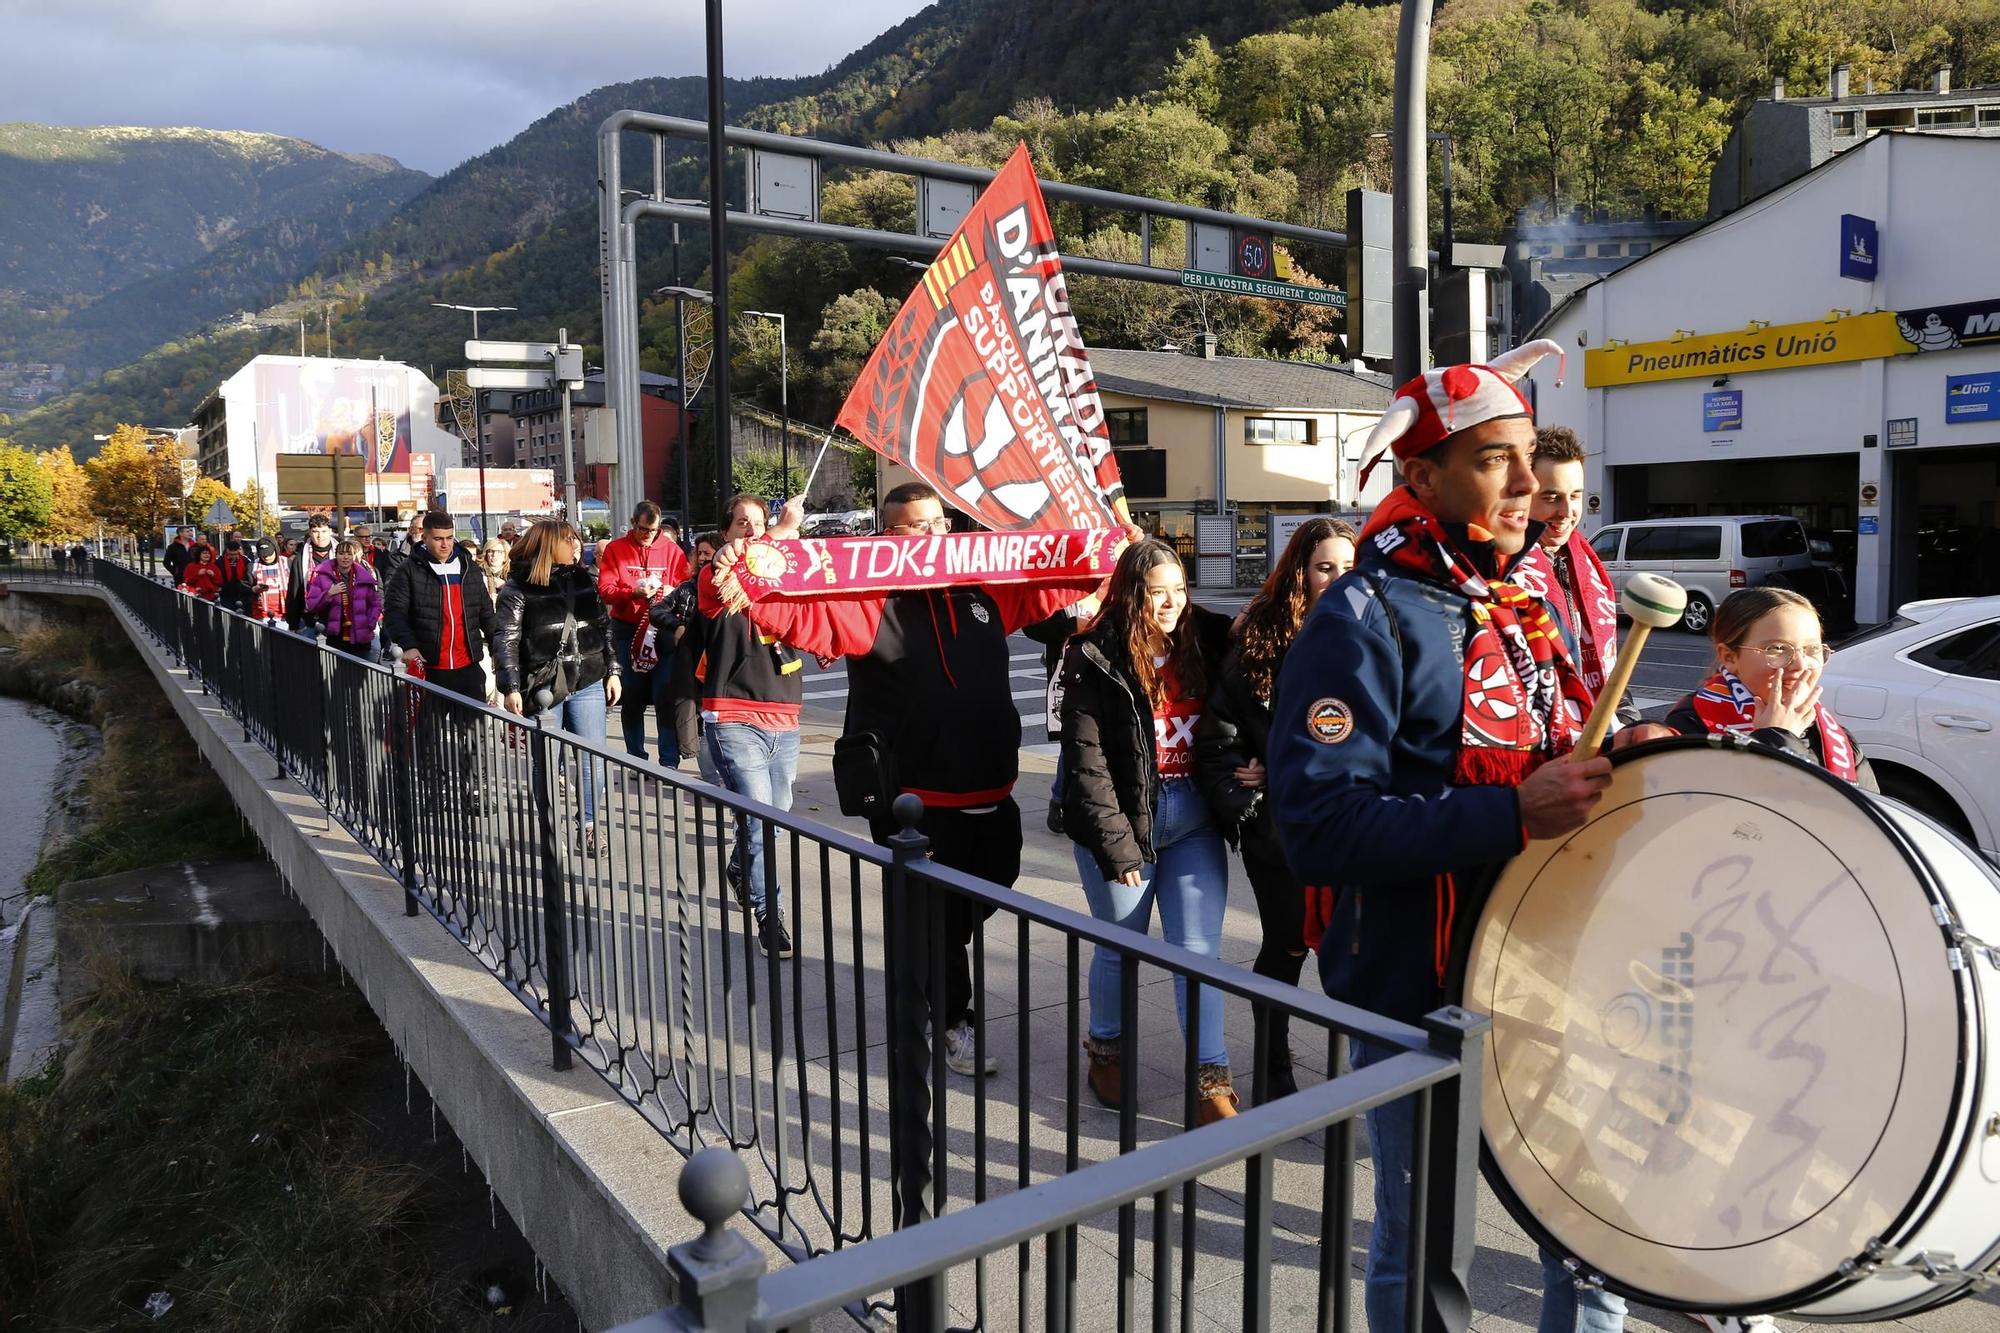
(865, 568)
(645, 648)
(345, 584)
(1524, 702)
(1576, 580)
(1725, 704)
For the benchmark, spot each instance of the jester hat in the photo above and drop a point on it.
(1447, 399)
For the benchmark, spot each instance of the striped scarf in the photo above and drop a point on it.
(1524, 702)
(1725, 705)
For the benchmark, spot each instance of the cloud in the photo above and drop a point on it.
(430, 83)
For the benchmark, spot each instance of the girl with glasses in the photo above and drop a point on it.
(1769, 651)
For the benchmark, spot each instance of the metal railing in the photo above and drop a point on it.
(823, 1070)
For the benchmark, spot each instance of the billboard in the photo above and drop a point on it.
(319, 407)
(509, 490)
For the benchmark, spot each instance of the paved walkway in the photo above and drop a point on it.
(1029, 1123)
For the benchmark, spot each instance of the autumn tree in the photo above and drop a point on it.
(135, 481)
(70, 516)
(254, 511)
(26, 498)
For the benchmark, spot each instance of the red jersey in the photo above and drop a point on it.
(1174, 722)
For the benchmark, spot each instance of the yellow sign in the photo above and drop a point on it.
(1775, 347)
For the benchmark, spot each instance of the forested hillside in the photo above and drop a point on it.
(113, 239)
(1612, 104)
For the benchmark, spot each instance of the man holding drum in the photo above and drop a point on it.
(1415, 717)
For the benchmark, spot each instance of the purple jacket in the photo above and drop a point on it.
(323, 599)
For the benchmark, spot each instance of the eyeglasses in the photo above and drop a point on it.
(1784, 655)
(938, 524)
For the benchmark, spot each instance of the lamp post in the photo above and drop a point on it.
(480, 449)
(784, 401)
(1411, 211)
(680, 295)
(718, 253)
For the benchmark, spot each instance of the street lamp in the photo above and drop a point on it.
(784, 401)
(680, 295)
(475, 311)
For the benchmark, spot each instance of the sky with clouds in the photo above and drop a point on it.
(429, 82)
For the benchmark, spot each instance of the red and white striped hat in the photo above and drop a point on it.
(1447, 399)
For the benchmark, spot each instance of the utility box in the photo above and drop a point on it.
(942, 205)
(1461, 322)
(1370, 275)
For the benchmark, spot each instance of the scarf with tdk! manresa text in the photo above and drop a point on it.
(1524, 702)
(862, 568)
(1725, 706)
(1576, 580)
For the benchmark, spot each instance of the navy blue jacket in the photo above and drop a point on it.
(1364, 733)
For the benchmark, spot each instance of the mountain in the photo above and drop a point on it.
(113, 238)
(516, 191)
(959, 63)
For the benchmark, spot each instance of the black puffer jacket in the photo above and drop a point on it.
(679, 622)
(1113, 783)
(1235, 728)
(413, 608)
(530, 621)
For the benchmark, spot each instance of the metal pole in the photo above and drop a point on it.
(374, 507)
(1450, 238)
(681, 426)
(479, 448)
(785, 410)
(569, 444)
(1412, 274)
(718, 259)
(485, 522)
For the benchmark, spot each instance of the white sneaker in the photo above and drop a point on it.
(1731, 1323)
(959, 1052)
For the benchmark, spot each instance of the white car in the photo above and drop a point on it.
(1921, 695)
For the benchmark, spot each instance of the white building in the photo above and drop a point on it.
(1831, 351)
(278, 407)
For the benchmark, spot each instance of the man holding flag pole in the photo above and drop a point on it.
(982, 387)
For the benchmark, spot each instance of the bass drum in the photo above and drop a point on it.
(1743, 1056)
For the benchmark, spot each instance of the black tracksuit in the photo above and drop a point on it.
(929, 673)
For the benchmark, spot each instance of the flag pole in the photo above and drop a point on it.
(825, 442)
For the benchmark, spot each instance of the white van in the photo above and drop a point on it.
(1710, 557)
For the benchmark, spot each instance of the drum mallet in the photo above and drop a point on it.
(1652, 603)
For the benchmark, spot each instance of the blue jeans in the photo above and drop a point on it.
(1391, 1146)
(1567, 1308)
(582, 714)
(759, 764)
(1190, 878)
(643, 690)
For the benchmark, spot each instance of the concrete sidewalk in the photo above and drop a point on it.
(1027, 1109)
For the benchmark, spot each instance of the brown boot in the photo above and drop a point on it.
(1107, 1074)
(1215, 1098)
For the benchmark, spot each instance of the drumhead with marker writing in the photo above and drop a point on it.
(1724, 1039)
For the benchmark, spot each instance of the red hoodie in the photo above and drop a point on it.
(622, 563)
(203, 578)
